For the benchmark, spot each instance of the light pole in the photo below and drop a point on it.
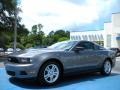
(15, 31)
(1, 6)
(15, 27)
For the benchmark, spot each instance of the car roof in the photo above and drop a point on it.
(81, 41)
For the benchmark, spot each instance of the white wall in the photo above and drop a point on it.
(116, 29)
(112, 29)
(116, 20)
(107, 34)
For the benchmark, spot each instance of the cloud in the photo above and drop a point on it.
(60, 14)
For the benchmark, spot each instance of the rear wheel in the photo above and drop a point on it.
(106, 68)
(50, 73)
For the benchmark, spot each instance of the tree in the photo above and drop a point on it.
(51, 33)
(3, 40)
(63, 39)
(40, 26)
(7, 14)
(34, 29)
(60, 33)
(50, 38)
(67, 34)
(36, 36)
(22, 30)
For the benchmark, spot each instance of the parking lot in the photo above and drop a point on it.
(91, 81)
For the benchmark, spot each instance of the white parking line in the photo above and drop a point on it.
(114, 71)
(118, 59)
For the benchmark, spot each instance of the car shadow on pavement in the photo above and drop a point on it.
(66, 81)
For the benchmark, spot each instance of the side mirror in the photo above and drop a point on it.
(77, 49)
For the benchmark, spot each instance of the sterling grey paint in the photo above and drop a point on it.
(71, 60)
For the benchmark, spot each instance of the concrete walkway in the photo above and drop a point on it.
(2, 62)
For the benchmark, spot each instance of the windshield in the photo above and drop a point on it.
(65, 45)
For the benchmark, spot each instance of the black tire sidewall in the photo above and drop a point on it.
(40, 77)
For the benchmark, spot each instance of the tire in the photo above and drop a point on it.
(106, 68)
(50, 73)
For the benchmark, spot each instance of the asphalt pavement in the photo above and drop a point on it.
(92, 81)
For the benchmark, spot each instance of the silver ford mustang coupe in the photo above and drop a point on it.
(49, 64)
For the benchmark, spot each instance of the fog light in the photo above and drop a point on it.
(31, 72)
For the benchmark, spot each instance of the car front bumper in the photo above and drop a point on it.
(21, 70)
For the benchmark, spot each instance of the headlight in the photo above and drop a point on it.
(25, 60)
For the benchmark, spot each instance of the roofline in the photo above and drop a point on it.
(88, 30)
(116, 13)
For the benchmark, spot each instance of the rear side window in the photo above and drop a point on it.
(98, 47)
(86, 45)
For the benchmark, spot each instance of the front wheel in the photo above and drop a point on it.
(106, 68)
(50, 73)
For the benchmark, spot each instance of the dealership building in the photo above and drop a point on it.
(110, 36)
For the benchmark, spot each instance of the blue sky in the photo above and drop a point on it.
(72, 15)
(105, 16)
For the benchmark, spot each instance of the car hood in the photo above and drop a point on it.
(33, 52)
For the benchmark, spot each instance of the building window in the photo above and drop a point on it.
(102, 39)
(89, 37)
(79, 38)
(95, 36)
(76, 38)
(73, 38)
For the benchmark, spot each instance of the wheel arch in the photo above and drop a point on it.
(108, 58)
(53, 60)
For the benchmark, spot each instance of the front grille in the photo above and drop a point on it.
(11, 73)
(13, 60)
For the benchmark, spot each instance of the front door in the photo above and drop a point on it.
(87, 58)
